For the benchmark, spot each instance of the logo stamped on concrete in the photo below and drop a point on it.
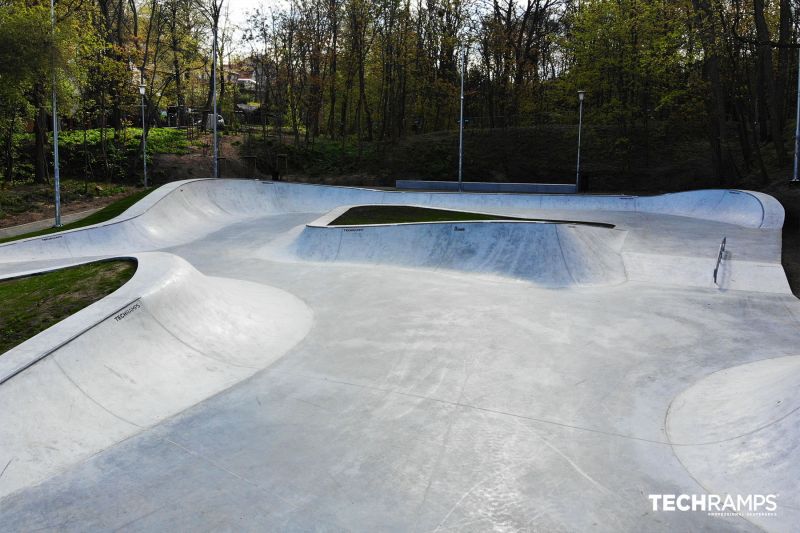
(717, 504)
(127, 311)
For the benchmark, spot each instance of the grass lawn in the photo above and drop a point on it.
(107, 213)
(32, 304)
(398, 214)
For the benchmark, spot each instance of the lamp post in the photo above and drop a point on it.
(211, 10)
(581, 94)
(215, 164)
(235, 80)
(795, 178)
(144, 136)
(461, 126)
(56, 171)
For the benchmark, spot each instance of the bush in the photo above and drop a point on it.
(122, 154)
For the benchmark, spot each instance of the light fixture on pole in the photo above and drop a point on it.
(581, 95)
(144, 136)
(56, 170)
(461, 126)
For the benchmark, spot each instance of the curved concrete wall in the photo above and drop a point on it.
(95, 383)
(182, 211)
(548, 254)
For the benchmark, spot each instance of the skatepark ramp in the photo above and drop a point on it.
(546, 253)
(736, 431)
(182, 212)
(164, 341)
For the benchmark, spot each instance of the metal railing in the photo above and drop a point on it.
(719, 258)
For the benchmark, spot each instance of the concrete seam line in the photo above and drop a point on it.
(555, 422)
(339, 245)
(92, 399)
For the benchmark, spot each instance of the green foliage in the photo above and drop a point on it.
(159, 140)
(122, 154)
(631, 57)
(25, 44)
(324, 157)
(162, 140)
(381, 71)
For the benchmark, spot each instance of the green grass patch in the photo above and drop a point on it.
(107, 213)
(398, 214)
(403, 214)
(32, 304)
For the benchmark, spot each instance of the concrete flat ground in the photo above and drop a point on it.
(299, 389)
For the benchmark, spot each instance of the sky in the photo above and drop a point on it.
(237, 16)
(239, 8)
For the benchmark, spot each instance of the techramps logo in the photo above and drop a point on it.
(750, 505)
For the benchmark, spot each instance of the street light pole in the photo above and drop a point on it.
(56, 171)
(144, 136)
(461, 127)
(581, 94)
(215, 167)
(795, 178)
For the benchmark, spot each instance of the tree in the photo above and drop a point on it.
(26, 46)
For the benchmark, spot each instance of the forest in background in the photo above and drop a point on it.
(360, 73)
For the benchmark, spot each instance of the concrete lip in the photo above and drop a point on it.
(283, 374)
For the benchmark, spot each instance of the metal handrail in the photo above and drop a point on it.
(719, 258)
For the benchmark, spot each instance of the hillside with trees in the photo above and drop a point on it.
(716, 76)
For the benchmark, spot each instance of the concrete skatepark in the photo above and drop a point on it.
(264, 370)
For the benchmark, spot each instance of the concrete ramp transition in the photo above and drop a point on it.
(548, 254)
(735, 431)
(179, 338)
(183, 211)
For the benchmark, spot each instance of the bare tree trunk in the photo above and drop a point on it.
(87, 165)
(784, 52)
(362, 95)
(766, 88)
(103, 139)
(41, 142)
(344, 109)
(176, 66)
(715, 99)
(334, 18)
(9, 148)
